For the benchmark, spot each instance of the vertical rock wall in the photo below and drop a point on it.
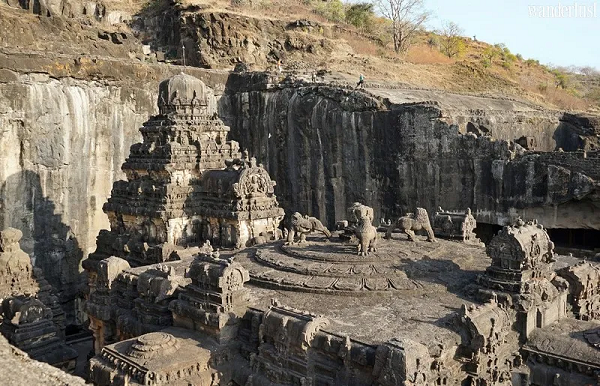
(319, 151)
(62, 143)
(327, 148)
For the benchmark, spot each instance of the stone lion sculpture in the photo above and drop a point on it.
(411, 223)
(300, 226)
(365, 232)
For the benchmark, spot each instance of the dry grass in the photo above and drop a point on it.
(423, 54)
(564, 100)
(361, 45)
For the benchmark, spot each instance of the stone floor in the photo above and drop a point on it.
(426, 285)
(568, 338)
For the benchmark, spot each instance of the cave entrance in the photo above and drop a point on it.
(485, 232)
(588, 239)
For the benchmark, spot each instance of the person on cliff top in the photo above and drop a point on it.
(361, 81)
(279, 65)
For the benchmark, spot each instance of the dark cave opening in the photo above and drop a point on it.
(575, 238)
(563, 238)
(485, 232)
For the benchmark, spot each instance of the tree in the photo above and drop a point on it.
(561, 78)
(331, 10)
(452, 43)
(489, 54)
(433, 41)
(360, 15)
(407, 16)
(588, 71)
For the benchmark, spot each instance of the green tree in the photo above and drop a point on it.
(433, 41)
(561, 79)
(452, 44)
(360, 15)
(332, 10)
(489, 54)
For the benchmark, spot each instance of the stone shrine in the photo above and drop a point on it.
(188, 341)
(584, 289)
(455, 225)
(27, 324)
(521, 275)
(32, 318)
(16, 270)
(186, 183)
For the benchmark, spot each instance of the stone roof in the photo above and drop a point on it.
(566, 339)
(521, 242)
(171, 355)
(182, 90)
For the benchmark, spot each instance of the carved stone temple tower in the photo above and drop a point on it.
(186, 184)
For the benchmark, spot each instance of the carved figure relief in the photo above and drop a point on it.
(253, 182)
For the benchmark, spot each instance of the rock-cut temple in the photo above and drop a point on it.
(186, 184)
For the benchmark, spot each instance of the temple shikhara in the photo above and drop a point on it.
(186, 184)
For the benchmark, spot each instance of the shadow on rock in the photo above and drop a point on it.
(46, 238)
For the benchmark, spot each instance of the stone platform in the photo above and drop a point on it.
(333, 267)
(424, 285)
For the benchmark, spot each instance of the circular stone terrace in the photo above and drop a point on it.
(333, 266)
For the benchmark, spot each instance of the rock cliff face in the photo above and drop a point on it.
(62, 145)
(70, 8)
(328, 147)
(214, 39)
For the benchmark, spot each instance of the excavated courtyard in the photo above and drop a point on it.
(404, 289)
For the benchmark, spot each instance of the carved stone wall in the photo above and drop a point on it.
(491, 346)
(215, 299)
(127, 302)
(455, 225)
(584, 289)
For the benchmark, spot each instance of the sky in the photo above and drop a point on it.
(536, 33)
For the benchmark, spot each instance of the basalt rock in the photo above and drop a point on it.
(20, 369)
(328, 147)
(216, 39)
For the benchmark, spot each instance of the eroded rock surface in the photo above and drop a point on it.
(19, 369)
(328, 147)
